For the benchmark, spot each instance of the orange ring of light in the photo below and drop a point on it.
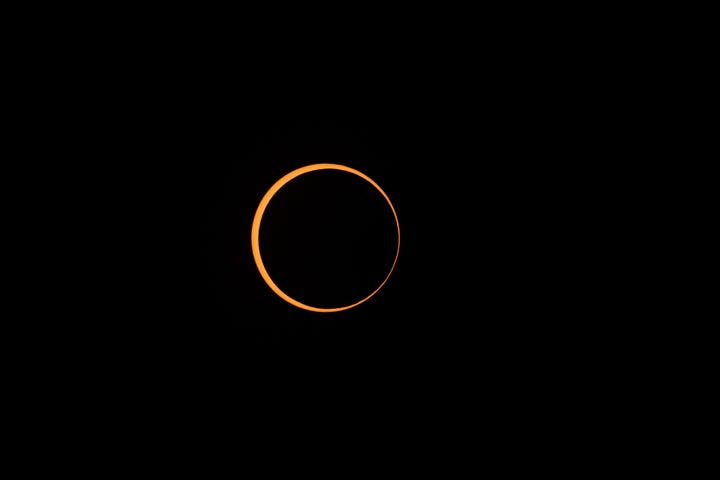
(258, 219)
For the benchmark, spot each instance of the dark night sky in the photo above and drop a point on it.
(486, 171)
(495, 141)
(479, 185)
(481, 173)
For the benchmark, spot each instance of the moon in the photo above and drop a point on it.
(257, 220)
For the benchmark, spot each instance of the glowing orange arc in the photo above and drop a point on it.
(258, 219)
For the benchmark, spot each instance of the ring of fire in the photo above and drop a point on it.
(255, 234)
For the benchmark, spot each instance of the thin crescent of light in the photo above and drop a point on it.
(255, 234)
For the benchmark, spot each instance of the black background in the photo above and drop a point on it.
(491, 154)
(485, 180)
(506, 142)
(488, 174)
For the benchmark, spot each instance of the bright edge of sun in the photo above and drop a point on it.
(257, 220)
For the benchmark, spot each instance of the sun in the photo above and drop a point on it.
(257, 221)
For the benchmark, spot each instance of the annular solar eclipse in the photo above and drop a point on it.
(257, 223)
